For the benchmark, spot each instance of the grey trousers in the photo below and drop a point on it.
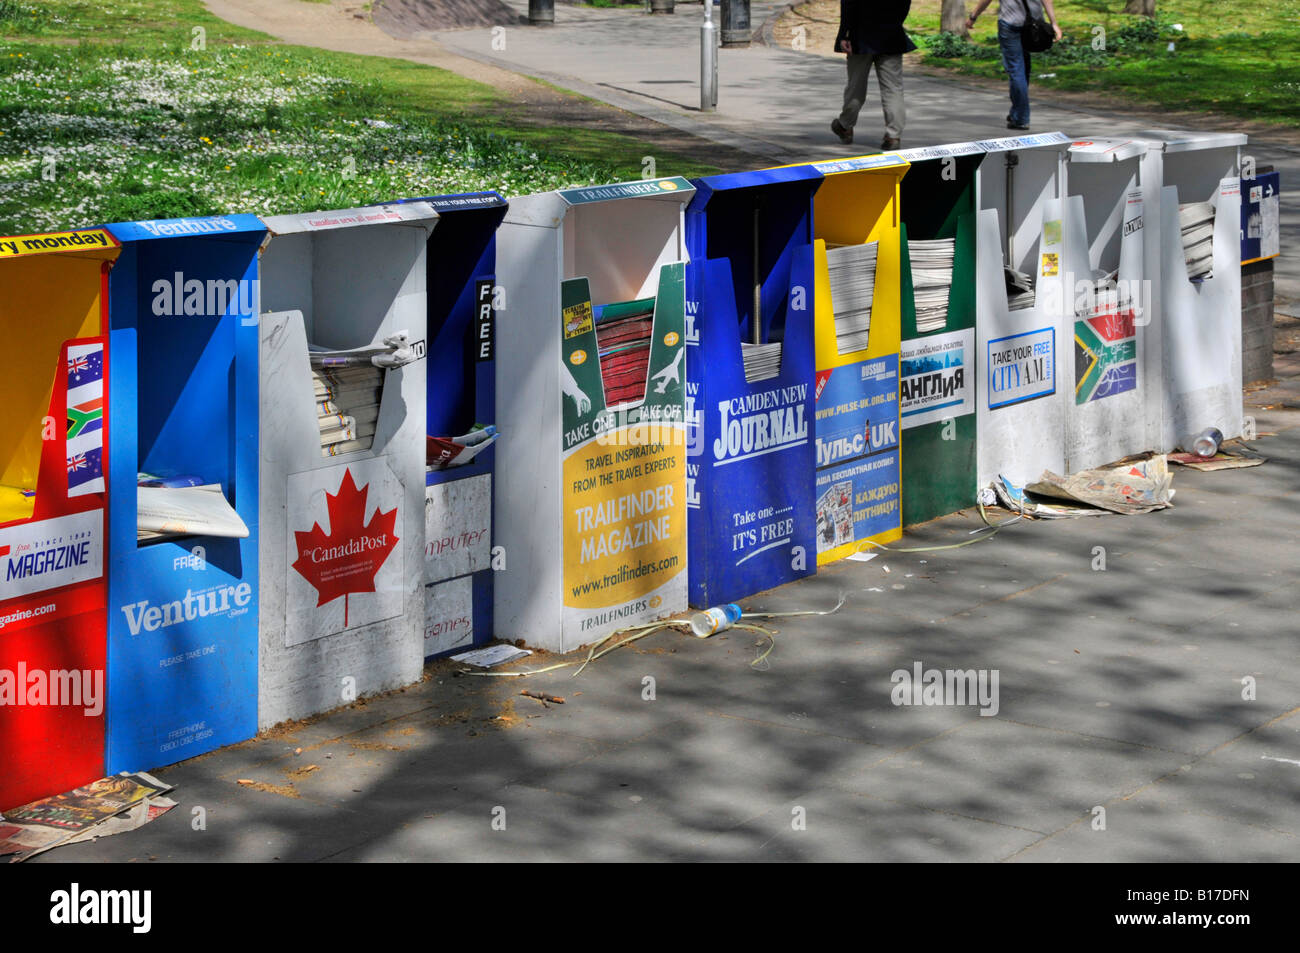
(889, 75)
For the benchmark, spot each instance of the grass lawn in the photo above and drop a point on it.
(115, 110)
(1241, 59)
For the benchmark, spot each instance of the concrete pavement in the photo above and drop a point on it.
(1119, 689)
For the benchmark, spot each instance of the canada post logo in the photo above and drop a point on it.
(48, 554)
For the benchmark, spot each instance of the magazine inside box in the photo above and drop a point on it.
(619, 246)
(186, 355)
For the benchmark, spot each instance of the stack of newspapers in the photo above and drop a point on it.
(623, 331)
(1020, 289)
(1197, 222)
(852, 271)
(347, 406)
(931, 281)
(347, 387)
(761, 360)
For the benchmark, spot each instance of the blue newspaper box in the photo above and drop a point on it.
(751, 502)
(183, 583)
(461, 284)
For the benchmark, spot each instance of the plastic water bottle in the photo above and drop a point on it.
(1206, 443)
(717, 619)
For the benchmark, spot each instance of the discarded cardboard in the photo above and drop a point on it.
(1233, 459)
(1134, 485)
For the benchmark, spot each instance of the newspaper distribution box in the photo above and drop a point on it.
(856, 254)
(1109, 274)
(1193, 180)
(750, 396)
(937, 363)
(591, 506)
(461, 421)
(53, 587)
(1020, 324)
(183, 518)
(342, 338)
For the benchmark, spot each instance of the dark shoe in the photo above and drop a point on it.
(1017, 126)
(890, 145)
(845, 135)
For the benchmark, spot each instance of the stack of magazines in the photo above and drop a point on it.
(623, 331)
(853, 282)
(761, 360)
(1020, 289)
(931, 281)
(1197, 222)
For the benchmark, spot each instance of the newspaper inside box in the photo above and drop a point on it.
(750, 382)
(1020, 324)
(857, 337)
(1193, 179)
(937, 362)
(591, 508)
(461, 424)
(1110, 303)
(53, 588)
(342, 337)
(183, 519)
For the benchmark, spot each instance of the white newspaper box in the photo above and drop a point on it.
(590, 503)
(342, 416)
(1111, 271)
(1021, 333)
(1198, 324)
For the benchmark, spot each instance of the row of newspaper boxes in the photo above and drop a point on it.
(249, 464)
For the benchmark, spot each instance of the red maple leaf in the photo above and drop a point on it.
(347, 558)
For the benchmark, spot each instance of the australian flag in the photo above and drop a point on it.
(85, 418)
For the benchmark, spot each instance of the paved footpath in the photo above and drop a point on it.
(1119, 689)
(777, 103)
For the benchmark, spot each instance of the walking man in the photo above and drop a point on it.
(1012, 16)
(872, 34)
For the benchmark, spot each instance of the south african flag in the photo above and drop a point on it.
(1105, 355)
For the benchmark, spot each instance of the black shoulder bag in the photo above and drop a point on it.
(1037, 34)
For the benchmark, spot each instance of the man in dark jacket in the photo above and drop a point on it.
(872, 34)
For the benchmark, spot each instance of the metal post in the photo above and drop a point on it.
(735, 23)
(541, 12)
(708, 61)
(1012, 161)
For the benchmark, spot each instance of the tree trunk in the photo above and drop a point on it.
(953, 17)
(1143, 8)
